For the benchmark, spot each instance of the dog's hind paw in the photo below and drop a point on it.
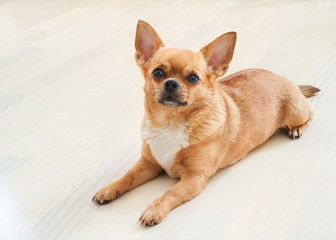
(294, 133)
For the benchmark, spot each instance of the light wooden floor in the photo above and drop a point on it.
(71, 104)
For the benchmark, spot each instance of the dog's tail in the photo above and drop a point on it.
(308, 90)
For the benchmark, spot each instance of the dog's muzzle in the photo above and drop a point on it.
(170, 95)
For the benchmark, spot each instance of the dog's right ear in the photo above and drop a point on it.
(147, 42)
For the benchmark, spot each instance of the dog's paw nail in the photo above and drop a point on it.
(143, 222)
(295, 135)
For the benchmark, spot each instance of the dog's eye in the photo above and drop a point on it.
(158, 73)
(193, 78)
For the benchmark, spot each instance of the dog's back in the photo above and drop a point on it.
(266, 102)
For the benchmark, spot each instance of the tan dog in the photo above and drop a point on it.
(195, 125)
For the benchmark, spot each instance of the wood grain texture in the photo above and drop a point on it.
(71, 104)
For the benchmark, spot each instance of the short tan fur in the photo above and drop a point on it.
(196, 124)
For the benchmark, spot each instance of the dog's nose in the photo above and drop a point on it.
(171, 85)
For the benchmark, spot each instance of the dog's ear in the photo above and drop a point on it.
(218, 54)
(147, 42)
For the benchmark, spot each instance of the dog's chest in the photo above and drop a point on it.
(165, 142)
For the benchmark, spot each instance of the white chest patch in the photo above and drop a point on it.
(165, 142)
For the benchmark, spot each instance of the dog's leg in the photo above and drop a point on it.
(186, 189)
(299, 115)
(143, 171)
(296, 132)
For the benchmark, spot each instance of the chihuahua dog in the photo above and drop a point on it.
(196, 124)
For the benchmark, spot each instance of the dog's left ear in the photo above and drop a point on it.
(218, 54)
(147, 42)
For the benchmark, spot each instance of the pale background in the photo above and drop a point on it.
(71, 104)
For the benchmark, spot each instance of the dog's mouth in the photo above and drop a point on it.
(171, 101)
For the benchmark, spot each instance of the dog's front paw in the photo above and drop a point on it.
(106, 195)
(153, 214)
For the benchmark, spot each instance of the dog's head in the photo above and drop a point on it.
(179, 77)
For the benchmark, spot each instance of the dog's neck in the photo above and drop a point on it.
(202, 118)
